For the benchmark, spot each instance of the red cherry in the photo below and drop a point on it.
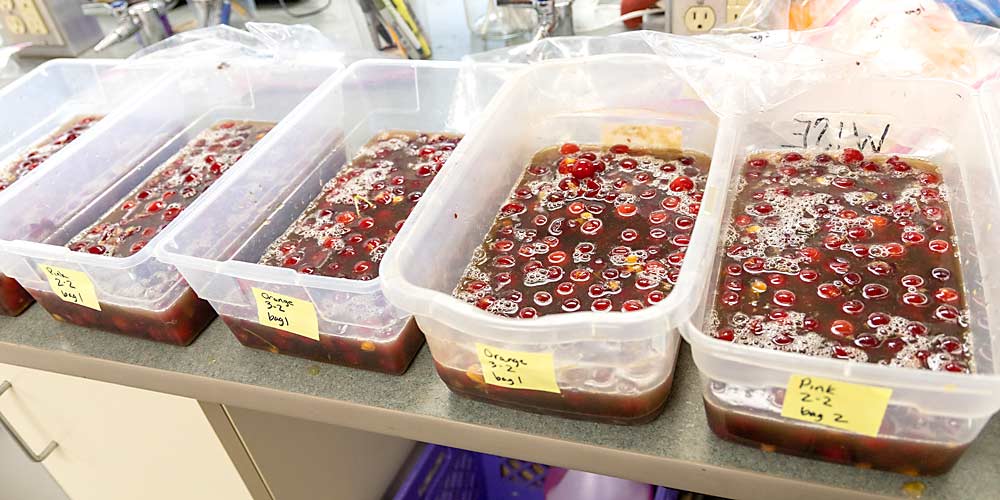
(632, 305)
(954, 367)
(626, 210)
(171, 213)
(808, 275)
(828, 291)
(843, 182)
(619, 149)
(601, 305)
(565, 288)
(853, 307)
(874, 291)
(912, 237)
(916, 329)
(583, 169)
(512, 208)
(842, 328)
(880, 268)
(951, 345)
(681, 183)
(867, 341)
(946, 294)
(155, 206)
(784, 298)
(852, 279)
(793, 157)
(852, 155)
(542, 298)
(569, 148)
(915, 299)
(946, 313)
(726, 334)
(878, 319)
(939, 246)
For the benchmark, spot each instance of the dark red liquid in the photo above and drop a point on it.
(588, 228)
(608, 408)
(344, 233)
(852, 260)
(178, 324)
(387, 357)
(839, 256)
(45, 149)
(909, 442)
(149, 208)
(14, 299)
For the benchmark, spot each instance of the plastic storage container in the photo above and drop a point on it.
(441, 472)
(218, 248)
(46, 99)
(136, 295)
(614, 366)
(932, 416)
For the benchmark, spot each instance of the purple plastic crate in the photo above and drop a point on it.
(443, 473)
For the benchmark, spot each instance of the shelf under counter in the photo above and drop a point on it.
(676, 450)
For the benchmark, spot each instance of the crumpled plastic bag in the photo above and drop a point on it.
(719, 67)
(9, 69)
(564, 47)
(293, 44)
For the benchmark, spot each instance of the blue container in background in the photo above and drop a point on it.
(443, 473)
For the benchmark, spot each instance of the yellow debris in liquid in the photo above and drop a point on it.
(631, 259)
(586, 215)
(368, 346)
(753, 229)
(474, 375)
(613, 285)
(758, 286)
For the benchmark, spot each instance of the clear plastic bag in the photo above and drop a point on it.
(8, 66)
(290, 44)
(823, 101)
(549, 49)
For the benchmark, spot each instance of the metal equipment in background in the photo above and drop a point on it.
(54, 28)
(147, 19)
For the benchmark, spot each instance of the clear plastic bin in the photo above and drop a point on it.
(45, 100)
(932, 416)
(137, 295)
(217, 249)
(614, 366)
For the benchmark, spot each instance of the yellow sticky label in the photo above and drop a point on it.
(518, 370)
(851, 407)
(72, 286)
(287, 313)
(650, 136)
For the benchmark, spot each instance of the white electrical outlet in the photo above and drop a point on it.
(15, 24)
(693, 17)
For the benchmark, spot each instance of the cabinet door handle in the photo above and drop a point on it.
(37, 457)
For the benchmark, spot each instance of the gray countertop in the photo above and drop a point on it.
(677, 450)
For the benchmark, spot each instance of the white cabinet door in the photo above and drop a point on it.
(118, 442)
